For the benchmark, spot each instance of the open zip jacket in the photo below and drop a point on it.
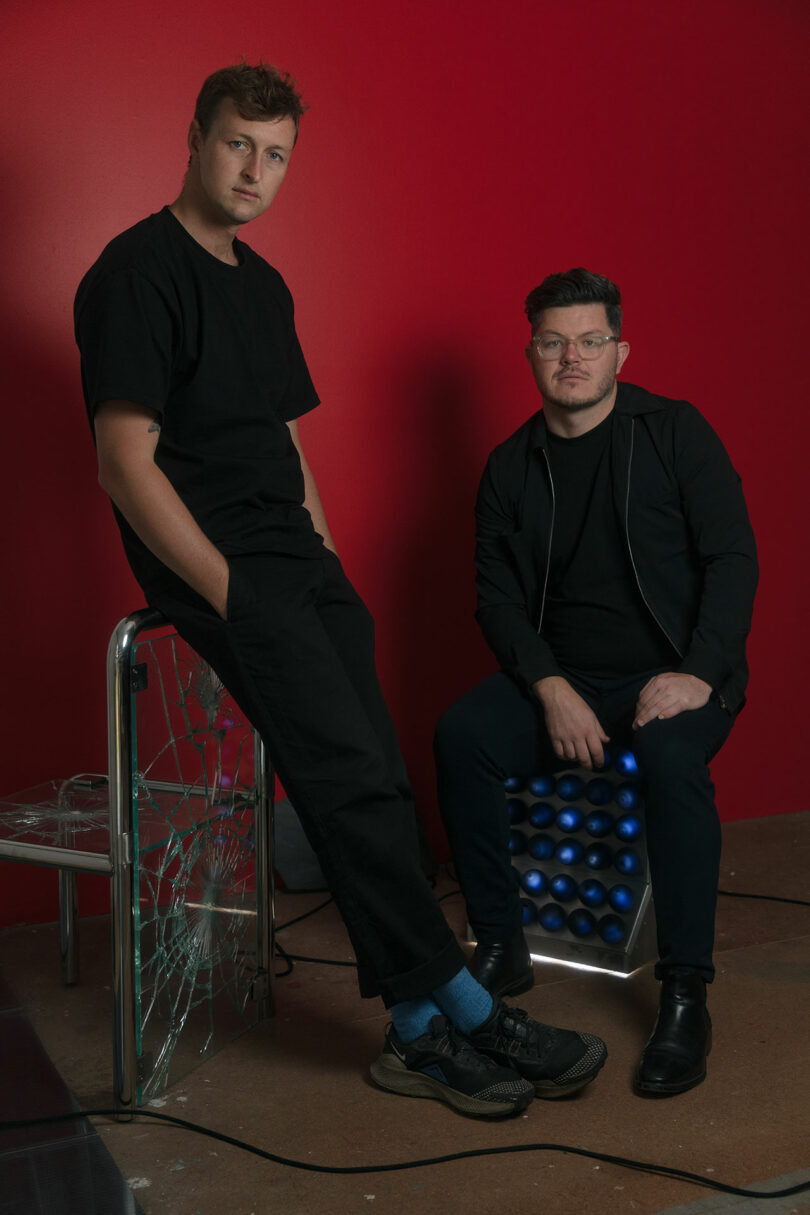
(681, 511)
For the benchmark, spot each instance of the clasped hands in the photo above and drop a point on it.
(575, 731)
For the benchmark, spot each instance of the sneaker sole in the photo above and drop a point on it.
(389, 1073)
(550, 1087)
(548, 1090)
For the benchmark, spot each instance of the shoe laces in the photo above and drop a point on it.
(452, 1041)
(449, 1040)
(521, 1032)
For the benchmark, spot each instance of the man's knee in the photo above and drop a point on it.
(488, 719)
(678, 788)
(661, 747)
(687, 741)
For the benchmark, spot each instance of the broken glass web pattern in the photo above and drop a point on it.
(194, 796)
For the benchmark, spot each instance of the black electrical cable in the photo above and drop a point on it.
(642, 1166)
(292, 958)
(621, 1161)
(305, 914)
(279, 949)
(769, 898)
(297, 957)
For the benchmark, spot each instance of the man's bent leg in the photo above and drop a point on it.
(493, 732)
(350, 628)
(683, 839)
(284, 670)
(683, 832)
(278, 661)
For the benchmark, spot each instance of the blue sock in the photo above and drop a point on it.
(464, 1001)
(411, 1018)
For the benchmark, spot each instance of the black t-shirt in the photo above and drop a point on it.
(212, 348)
(594, 618)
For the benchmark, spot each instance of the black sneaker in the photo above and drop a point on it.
(443, 1065)
(556, 1061)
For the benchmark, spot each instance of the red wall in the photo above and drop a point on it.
(452, 156)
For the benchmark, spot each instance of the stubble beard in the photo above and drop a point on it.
(601, 390)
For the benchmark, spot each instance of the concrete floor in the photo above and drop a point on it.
(297, 1086)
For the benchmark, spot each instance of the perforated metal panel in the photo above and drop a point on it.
(578, 843)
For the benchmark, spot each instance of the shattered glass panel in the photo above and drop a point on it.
(195, 920)
(70, 814)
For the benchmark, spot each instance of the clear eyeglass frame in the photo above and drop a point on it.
(553, 346)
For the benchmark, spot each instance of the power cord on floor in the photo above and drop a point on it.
(770, 898)
(642, 1166)
(308, 1166)
(305, 914)
(292, 958)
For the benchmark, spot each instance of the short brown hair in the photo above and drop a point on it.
(259, 93)
(577, 286)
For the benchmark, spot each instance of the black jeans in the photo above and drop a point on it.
(498, 730)
(297, 655)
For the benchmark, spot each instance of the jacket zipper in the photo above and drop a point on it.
(627, 538)
(550, 536)
(629, 548)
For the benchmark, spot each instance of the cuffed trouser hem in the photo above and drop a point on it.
(417, 982)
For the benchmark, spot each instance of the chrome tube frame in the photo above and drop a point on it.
(122, 792)
(69, 926)
(119, 864)
(265, 877)
(56, 857)
(120, 769)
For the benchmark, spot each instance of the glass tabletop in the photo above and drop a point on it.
(72, 814)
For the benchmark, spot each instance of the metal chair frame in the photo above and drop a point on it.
(118, 863)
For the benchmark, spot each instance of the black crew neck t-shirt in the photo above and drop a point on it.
(212, 349)
(594, 617)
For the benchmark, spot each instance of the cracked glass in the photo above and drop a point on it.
(194, 800)
(70, 814)
(195, 790)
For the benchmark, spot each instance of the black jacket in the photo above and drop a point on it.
(682, 512)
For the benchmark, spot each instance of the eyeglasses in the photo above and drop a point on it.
(552, 346)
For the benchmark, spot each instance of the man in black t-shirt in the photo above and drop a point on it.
(616, 571)
(194, 382)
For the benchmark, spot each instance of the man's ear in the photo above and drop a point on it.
(195, 137)
(623, 349)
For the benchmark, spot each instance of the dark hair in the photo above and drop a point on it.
(259, 93)
(576, 286)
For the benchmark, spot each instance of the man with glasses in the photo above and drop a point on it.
(616, 570)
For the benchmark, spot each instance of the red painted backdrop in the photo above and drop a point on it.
(452, 156)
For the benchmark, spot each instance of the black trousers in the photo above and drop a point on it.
(297, 655)
(498, 730)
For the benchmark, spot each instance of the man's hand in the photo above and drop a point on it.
(669, 694)
(572, 725)
(126, 438)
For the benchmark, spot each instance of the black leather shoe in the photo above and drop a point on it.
(505, 969)
(674, 1059)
